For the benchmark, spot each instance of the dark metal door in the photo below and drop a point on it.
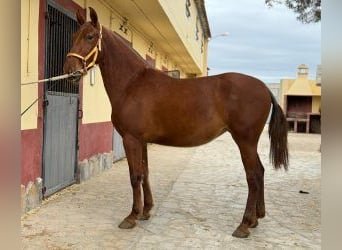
(60, 141)
(61, 101)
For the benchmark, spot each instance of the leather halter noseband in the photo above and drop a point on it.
(94, 52)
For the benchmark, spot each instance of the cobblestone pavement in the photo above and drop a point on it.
(200, 195)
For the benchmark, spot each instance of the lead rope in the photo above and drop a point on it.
(55, 78)
(51, 79)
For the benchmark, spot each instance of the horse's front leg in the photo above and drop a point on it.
(148, 200)
(134, 154)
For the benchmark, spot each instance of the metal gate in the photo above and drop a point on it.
(61, 101)
(119, 151)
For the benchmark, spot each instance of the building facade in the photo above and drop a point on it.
(301, 102)
(67, 134)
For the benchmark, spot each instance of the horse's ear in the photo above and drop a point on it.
(80, 18)
(93, 16)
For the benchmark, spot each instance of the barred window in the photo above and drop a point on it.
(187, 8)
(197, 29)
(202, 45)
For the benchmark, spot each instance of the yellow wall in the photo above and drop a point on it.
(205, 58)
(102, 11)
(185, 26)
(316, 104)
(29, 61)
(140, 45)
(284, 86)
(96, 105)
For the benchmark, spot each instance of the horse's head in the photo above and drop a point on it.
(86, 46)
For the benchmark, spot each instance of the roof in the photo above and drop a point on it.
(304, 87)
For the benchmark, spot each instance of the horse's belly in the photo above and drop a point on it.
(189, 139)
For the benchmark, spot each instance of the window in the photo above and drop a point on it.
(123, 25)
(197, 29)
(187, 8)
(174, 73)
(202, 45)
(151, 48)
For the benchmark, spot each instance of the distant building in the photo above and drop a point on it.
(275, 89)
(301, 102)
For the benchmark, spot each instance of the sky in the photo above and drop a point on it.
(267, 43)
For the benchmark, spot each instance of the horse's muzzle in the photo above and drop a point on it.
(76, 76)
(73, 67)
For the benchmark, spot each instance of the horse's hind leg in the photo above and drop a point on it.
(134, 152)
(260, 205)
(148, 200)
(249, 156)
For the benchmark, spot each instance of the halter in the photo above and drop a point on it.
(94, 52)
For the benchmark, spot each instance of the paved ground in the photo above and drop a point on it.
(200, 195)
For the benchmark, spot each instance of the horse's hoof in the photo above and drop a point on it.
(125, 224)
(238, 233)
(144, 216)
(255, 224)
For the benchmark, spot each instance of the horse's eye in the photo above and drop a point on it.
(90, 37)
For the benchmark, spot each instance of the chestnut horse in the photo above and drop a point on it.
(150, 107)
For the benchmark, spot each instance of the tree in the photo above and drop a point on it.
(309, 11)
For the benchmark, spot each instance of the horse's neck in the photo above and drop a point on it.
(119, 64)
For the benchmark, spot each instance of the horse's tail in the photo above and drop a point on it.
(277, 132)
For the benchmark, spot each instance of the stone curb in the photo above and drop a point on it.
(31, 195)
(93, 166)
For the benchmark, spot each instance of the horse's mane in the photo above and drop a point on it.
(125, 43)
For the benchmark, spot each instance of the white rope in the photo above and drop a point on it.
(54, 78)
